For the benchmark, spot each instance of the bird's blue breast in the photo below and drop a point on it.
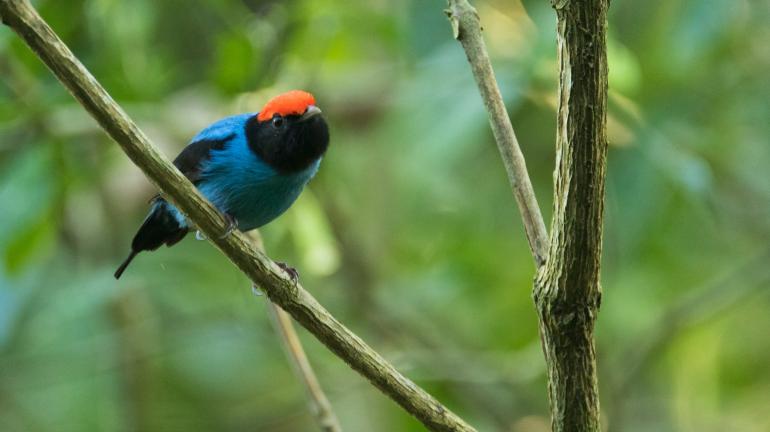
(238, 182)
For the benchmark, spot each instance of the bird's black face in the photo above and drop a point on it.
(289, 143)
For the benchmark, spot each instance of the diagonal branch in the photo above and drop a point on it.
(467, 30)
(24, 20)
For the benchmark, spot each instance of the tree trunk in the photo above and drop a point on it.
(567, 293)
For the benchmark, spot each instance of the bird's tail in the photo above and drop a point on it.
(125, 264)
(159, 227)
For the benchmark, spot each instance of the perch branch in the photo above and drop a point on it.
(25, 21)
(467, 29)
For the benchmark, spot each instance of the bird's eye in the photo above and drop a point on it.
(277, 121)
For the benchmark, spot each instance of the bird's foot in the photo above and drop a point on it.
(256, 291)
(232, 224)
(291, 271)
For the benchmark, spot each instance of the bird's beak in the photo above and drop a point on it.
(311, 112)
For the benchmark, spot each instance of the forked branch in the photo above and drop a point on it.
(566, 292)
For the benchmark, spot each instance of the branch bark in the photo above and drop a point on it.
(25, 21)
(566, 290)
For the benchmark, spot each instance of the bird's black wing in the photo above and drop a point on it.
(161, 226)
(191, 158)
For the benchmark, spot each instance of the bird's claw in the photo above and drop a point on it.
(232, 224)
(291, 271)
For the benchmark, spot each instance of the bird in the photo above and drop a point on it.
(251, 166)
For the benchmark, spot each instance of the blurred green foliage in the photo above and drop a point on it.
(409, 234)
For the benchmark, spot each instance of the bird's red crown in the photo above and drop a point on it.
(293, 102)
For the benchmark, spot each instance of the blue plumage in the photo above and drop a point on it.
(240, 183)
(251, 166)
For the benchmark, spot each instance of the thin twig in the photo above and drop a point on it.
(319, 403)
(277, 285)
(467, 29)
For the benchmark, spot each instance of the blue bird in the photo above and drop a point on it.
(251, 166)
